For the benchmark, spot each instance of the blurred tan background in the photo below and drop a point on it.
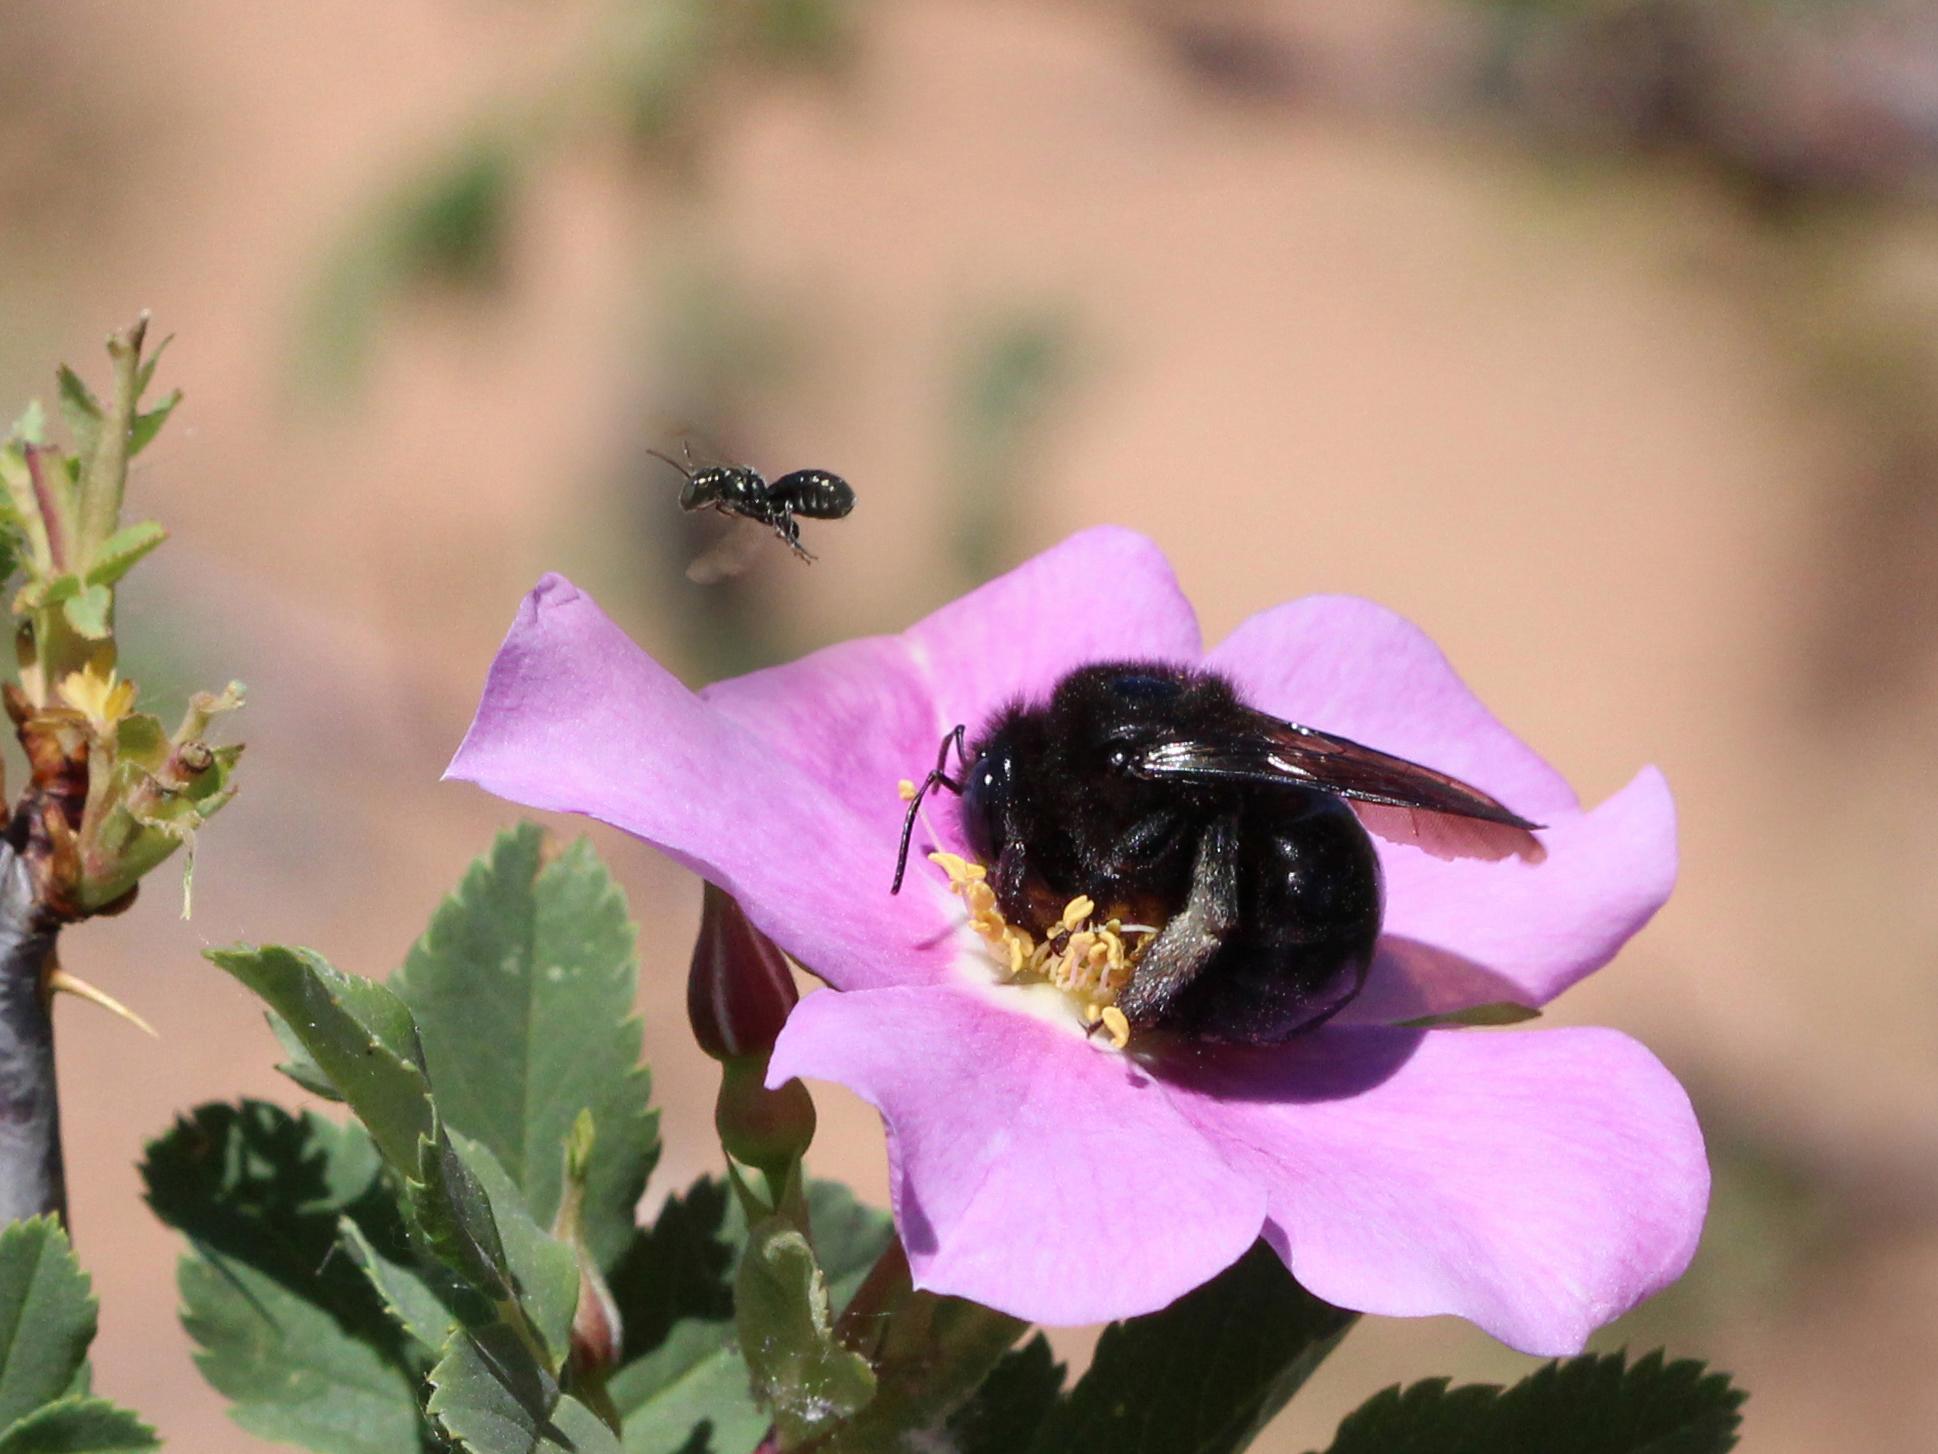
(1598, 338)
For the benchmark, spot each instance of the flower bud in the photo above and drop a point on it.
(739, 992)
(598, 1336)
(738, 997)
(759, 1127)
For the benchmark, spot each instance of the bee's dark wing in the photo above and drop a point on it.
(1399, 800)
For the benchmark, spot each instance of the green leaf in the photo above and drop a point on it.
(31, 426)
(522, 989)
(146, 374)
(140, 742)
(146, 426)
(47, 1320)
(88, 612)
(47, 1313)
(545, 1272)
(690, 1395)
(359, 1034)
(288, 1329)
(848, 1236)
(1203, 1376)
(78, 1426)
(452, 1209)
(420, 1303)
(1005, 1413)
(1594, 1404)
(47, 592)
(299, 1067)
(266, 1197)
(492, 1398)
(256, 1183)
(674, 1290)
(120, 551)
(81, 410)
(1495, 1012)
(680, 1268)
(787, 1335)
(287, 1366)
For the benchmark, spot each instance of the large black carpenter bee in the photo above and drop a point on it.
(1159, 794)
(744, 492)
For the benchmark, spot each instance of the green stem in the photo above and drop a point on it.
(930, 1353)
(104, 476)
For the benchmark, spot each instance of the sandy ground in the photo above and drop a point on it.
(1556, 417)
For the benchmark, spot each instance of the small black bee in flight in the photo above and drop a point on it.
(1156, 792)
(745, 493)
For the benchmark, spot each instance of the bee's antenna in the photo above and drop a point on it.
(936, 779)
(673, 462)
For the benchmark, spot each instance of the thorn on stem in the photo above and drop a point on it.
(60, 981)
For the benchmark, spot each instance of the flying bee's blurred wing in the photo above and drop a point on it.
(729, 555)
(689, 437)
(1401, 801)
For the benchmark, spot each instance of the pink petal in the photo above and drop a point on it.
(1105, 593)
(1031, 1171)
(1463, 932)
(856, 717)
(577, 719)
(1470, 932)
(1348, 666)
(865, 714)
(1538, 1183)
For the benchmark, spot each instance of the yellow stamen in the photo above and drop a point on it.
(1090, 962)
(905, 790)
(958, 869)
(1116, 1025)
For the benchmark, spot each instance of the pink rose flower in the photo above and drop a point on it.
(1538, 1182)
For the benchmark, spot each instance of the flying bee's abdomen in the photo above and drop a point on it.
(815, 494)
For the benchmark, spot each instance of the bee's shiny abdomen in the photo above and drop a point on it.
(1310, 905)
(816, 494)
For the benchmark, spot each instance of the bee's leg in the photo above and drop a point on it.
(1009, 872)
(936, 779)
(1022, 901)
(789, 529)
(1009, 877)
(1196, 932)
